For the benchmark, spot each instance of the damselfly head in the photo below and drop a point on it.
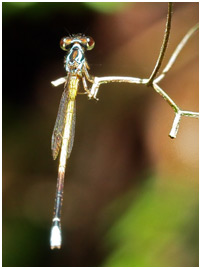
(85, 41)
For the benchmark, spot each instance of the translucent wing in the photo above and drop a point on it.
(59, 125)
(72, 132)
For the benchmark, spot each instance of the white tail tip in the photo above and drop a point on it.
(55, 237)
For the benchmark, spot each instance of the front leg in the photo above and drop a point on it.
(85, 86)
(88, 92)
(86, 73)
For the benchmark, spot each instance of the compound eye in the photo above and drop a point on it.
(65, 43)
(90, 43)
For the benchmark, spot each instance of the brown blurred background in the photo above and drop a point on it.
(131, 193)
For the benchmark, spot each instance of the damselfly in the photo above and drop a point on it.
(76, 67)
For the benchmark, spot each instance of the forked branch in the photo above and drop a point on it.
(152, 81)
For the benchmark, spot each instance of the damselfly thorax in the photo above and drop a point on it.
(63, 134)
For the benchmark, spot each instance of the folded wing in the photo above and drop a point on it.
(59, 125)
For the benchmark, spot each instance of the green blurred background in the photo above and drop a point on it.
(131, 193)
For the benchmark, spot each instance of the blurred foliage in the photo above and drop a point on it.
(42, 9)
(160, 228)
(28, 237)
(38, 10)
(18, 5)
(106, 7)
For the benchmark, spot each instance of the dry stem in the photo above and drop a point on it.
(152, 81)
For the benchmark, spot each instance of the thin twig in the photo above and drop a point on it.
(190, 114)
(58, 81)
(175, 126)
(163, 47)
(102, 80)
(166, 97)
(176, 52)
